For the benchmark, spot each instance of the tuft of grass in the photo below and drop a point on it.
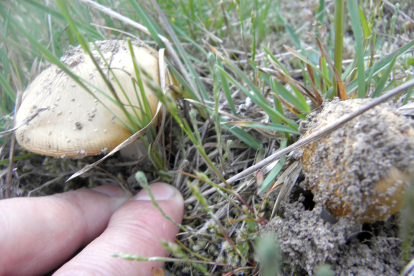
(250, 72)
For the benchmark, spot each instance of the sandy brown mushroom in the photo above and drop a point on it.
(76, 124)
(361, 170)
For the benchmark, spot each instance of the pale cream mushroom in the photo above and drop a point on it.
(76, 124)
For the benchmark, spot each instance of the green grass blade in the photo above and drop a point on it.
(292, 34)
(182, 81)
(148, 22)
(276, 102)
(147, 109)
(364, 24)
(380, 65)
(189, 39)
(274, 172)
(408, 95)
(184, 56)
(58, 15)
(243, 136)
(316, 69)
(272, 126)
(226, 89)
(356, 27)
(85, 47)
(285, 94)
(339, 36)
(272, 57)
(320, 14)
(260, 101)
(16, 158)
(384, 79)
(7, 88)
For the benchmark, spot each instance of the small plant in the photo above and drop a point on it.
(252, 75)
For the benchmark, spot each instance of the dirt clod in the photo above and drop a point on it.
(308, 241)
(361, 169)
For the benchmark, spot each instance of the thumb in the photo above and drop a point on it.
(135, 228)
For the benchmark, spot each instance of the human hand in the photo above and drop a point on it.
(39, 234)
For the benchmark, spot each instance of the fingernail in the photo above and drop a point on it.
(160, 191)
(112, 191)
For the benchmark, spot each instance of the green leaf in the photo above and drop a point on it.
(356, 27)
(148, 22)
(380, 65)
(320, 14)
(243, 136)
(364, 23)
(258, 99)
(384, 79)
(6, 86)
(16, 158)
(267, 183)
(182, 52)
(408, 95)
(282, 91)
(291, 32)
(226, 89)
(251, 224)
(58, 15)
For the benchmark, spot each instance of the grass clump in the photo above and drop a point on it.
(250, 73)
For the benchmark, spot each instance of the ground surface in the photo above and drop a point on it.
(308, 236)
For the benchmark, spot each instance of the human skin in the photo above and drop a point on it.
(40, 234)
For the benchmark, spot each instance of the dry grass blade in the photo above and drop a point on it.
(171, 52)
(406, 17)
(162, 73)
(132, 163)
(128, 141)
(12, 147)
(224, 113)
(318, 96)
(289, 106)
(47, 184)
(118, 16)
(280, 75)
(408, 269)
(214, 50)
(290, 180)
(25, 121)
(281, 179)
(325, 130)
(262, 127)
(339, 83)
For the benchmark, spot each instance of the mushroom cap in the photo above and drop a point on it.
(360, 170)
(76, 123)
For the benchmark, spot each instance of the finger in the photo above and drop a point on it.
(38, 234)
(135, 228)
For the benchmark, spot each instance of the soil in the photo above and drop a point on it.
(308, 233)
(309, 238)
